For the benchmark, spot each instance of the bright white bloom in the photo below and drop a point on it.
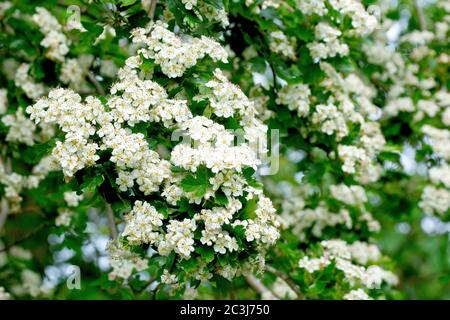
(64, 217)
(168, 278)
(356, 274)
(124, 262)
(175, 54)
(312, 6)
(353, 158)
(24, 81)
(54, 40)
(72, 199)
(328, 45)
(189, 4)
(4, 295)
(440, 140)
(435, 200)
(296, 97)
(21, 129)
(358, 294)
(351, 195)
(394, 107)
(440, 174)
(279, 43)
(143, 223)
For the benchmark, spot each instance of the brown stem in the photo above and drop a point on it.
(4, 212)
(259, 287)
(420, 15)
(111, 222)
(288, 281)
(151, 11)
(4, 206)
(95, 82)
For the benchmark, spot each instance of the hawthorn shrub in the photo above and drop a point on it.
(206, 149)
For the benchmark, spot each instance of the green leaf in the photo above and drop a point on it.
(221, 199)
(207, 253)
(34, 154)
(198, 184)
(92, 182)
(188, 265)
(127, 2)
(249, 210)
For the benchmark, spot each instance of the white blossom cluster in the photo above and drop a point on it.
(21, 129)
(72, 198)
(5, 5)
(263, 4)
(64, 217)
(77, 120)
(363, 22)
(144, 100)
(90, 126)
(353, 158)
(296, 97)
(440, 140)
(73, 72)
(203, 9)
(31, 284)
(143, 223)
(440, 175)
(24, 81)
(351, 195)
(298, 215)
(4, 295)
(405, 72)
(435, 200)
(330, 120)
(14, 183)
(328, 44)
(123, 262)
(300, 219)
(172, 53)
(54, 39)
(279, 43)
(354, 260)
(358, 294)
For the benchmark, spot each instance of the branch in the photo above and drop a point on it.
(420, 15)
(4, 206)
(111, 222)
(258, 286)
(151, 11)
(24, 238)
(4, 212)
(288, 281)
(95, 82)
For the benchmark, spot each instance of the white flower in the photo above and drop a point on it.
(296, 97)
(54, 40)
(21, 129)
(143, 224)
(24, 81)
(279, 43)
(72, 199)
(358, 294)
(351, 195)
(175, 54)
(435, 200)
(4, 295)
(64, 217)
